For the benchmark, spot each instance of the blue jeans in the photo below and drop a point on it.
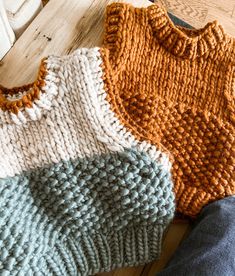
(209, 250)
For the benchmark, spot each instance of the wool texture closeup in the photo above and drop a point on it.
(79, 194)
(175, 87)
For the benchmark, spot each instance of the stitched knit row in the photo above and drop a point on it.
(69, 218)
(79, 193)
(175, 88)
(85, 181)
(72, 118)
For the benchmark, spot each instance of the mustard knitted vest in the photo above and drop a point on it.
(175, 88)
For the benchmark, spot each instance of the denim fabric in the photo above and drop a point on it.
(179, 22)
(209, 250)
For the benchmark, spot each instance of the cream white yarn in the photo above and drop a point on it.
(71, 119)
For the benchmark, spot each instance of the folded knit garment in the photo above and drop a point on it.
(175, 88)
(79, 194)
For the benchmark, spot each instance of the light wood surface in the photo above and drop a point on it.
(63, 26)
(60, 28)
(199, 12)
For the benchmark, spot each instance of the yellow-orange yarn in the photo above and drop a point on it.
(176, 88)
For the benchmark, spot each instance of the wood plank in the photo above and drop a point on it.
(60, 28)
(198, 13)
(129, 271)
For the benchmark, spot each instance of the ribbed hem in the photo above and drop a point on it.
(191, 200)
(91, 254)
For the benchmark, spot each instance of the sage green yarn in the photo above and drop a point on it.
(84, 216)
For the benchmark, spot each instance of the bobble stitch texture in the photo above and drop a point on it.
(174, 87)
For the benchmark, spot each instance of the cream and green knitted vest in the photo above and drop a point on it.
(79, 194)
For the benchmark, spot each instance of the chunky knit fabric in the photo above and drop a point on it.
(79, 194)
(175, 88)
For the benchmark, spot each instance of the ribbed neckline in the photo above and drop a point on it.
(25, 94)
(184, 42)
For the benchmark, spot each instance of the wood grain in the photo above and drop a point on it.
(44, 2)
(129, 271)
(60, 28)
(198, 13)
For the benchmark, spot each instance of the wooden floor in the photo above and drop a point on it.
(37, 43)
(198, 12)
